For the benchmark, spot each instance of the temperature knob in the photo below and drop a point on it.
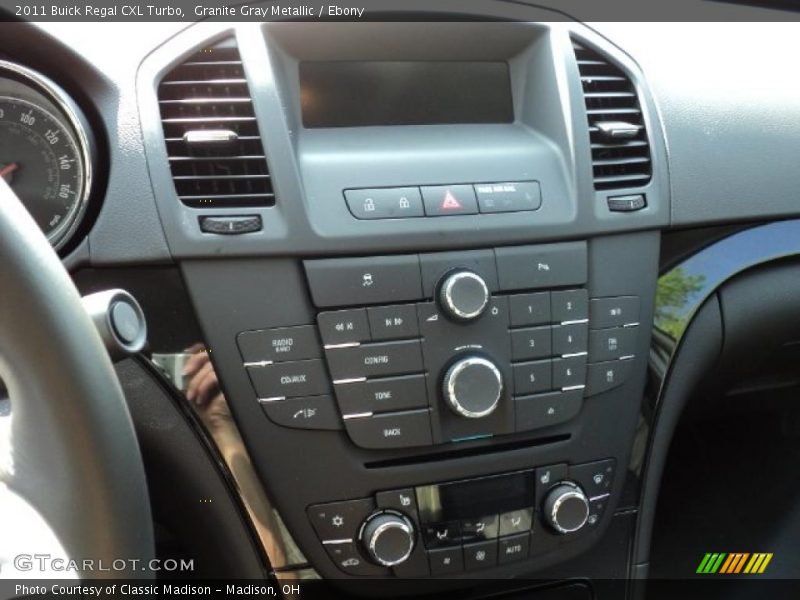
(473, 386)
(388, 538)
(566, 508)
(463, 295)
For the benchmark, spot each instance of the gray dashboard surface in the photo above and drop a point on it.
(730, 115)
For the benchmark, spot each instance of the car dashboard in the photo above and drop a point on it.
(425, 270)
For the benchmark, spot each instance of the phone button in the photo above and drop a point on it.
(311, 412)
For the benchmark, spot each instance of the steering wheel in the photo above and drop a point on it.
(72, 463)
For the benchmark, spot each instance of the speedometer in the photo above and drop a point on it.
(44, 154)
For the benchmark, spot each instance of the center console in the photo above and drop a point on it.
(432, 332)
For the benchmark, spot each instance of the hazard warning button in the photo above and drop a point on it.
(444, 200)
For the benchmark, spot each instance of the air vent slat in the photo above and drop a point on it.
(619, 144)
(213, 143)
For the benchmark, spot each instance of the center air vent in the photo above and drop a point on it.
(620, 151)
(214, 148)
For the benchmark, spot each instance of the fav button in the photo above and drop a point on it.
(391, 430)
(604, 376)
(385, 203)
(616, 342)
(446, 200)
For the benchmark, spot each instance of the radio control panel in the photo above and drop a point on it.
(429, 349)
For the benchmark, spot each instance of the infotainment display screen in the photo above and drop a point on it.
(362, 93)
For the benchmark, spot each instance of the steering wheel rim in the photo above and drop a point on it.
(74, 457)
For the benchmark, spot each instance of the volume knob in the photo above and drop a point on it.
(388, 538)
(566, 508)
(464, 295)
(473, 386)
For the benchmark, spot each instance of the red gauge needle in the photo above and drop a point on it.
(8, 169)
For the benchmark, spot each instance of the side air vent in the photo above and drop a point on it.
(214, 148)
(620, 151)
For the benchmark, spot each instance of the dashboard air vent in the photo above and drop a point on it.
(620, 150)
(214, 147)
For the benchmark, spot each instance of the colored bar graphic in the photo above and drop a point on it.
(764, 564)
(734, 563)
(728, 562)
(703, 563)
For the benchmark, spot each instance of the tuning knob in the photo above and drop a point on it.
(463, 295)
(473, 386)
(566, 508)
(388, 538)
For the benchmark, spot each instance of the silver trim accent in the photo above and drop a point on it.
(450, 386)
(46, 87)
(574, 354)
(345, 345)
(599, 497)
(553, 516)
(575, 322)
(363, 415)
(271, 399)
(334, 542)
(350, 380)
(571, 388)
(446, 295)
(626, 357)
(631, 324)
(398, 522)
(210, 136)
(258, 363)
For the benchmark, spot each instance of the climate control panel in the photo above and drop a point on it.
(459, 526)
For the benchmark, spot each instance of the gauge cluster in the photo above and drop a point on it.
(46, 151)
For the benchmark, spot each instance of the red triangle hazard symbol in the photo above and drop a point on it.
(450, 202)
